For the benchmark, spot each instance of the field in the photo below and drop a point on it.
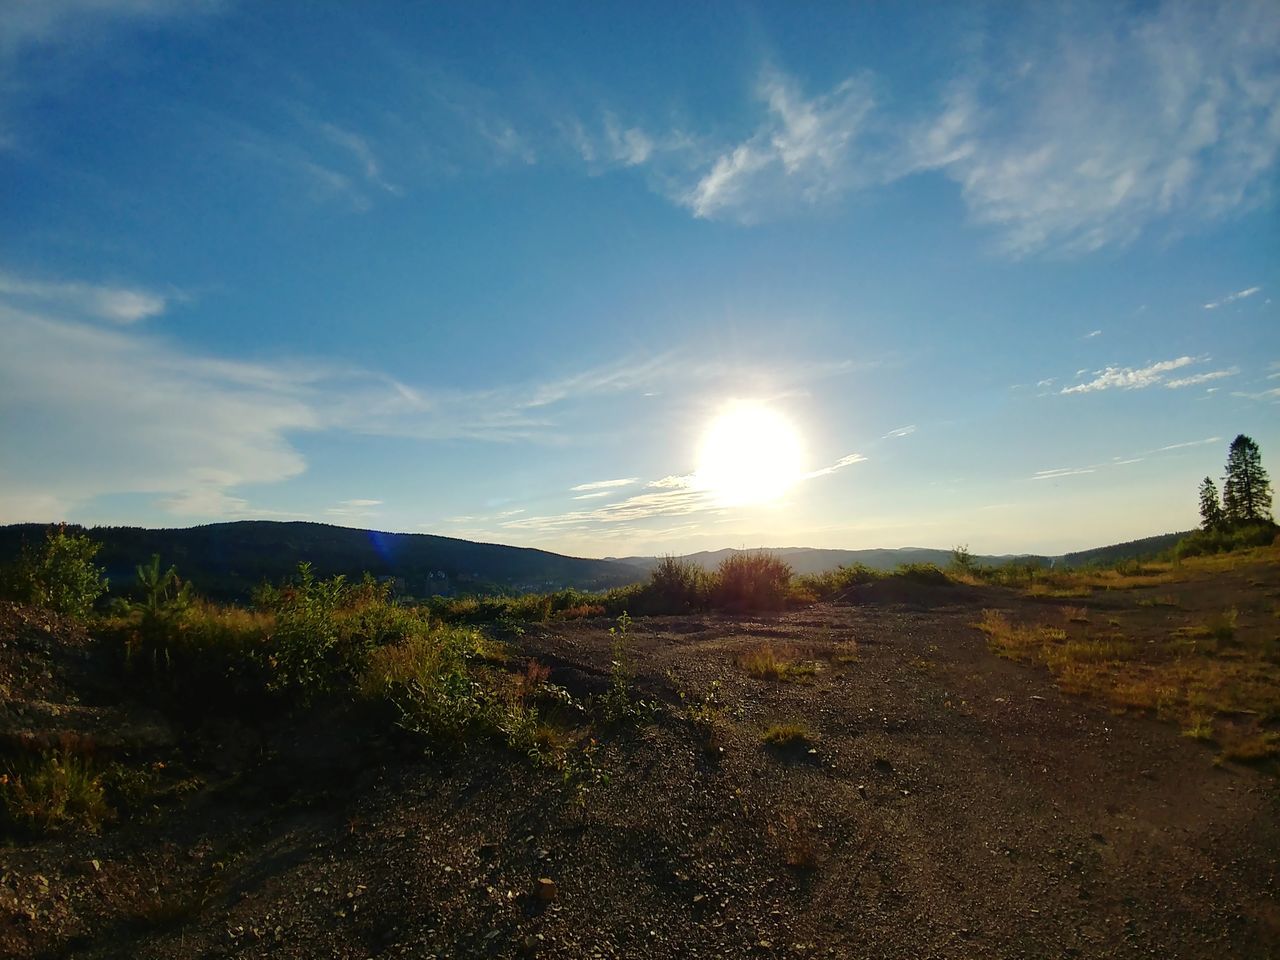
(1083, 766)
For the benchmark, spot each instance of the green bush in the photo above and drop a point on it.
(921, 573)
(835, 583)
(674, 586)
(751, 581)
(61, 575)
(1224, 539)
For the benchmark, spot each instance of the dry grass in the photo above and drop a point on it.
(764, 662)
(787, 735)
(1075, 614)
(1198, 674)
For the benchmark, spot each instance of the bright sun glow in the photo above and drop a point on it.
(750, 454)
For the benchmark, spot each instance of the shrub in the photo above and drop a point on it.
(62, 576)
(921, 573)
(835, 584)
(786, 735)
(751, 581)
(56, 791)
(426, 677)
(302, 653)
(674, 586)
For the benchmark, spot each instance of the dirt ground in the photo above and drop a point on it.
(946, 803)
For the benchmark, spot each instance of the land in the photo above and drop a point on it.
(953, 770)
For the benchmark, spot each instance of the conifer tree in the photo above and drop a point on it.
(1210, 508)
(1246, 490)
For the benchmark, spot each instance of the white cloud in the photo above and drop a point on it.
(605, 484)
(1199, 378)
(1188, 443)
(1093, 333)
(1101, 124)
(1130, 378)
(1062, 472)
(673, 482)
(1232, 298)
(901, 432)
(107, 411)
(119, 304)
(1077, 128)
(845, 461)
(803, 153)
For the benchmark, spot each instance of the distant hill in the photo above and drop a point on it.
(227, 560)
(1130, 550)
(805, 560)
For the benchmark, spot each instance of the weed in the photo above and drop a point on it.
(785, 735)
(765, 663)
(1200, 728)
(56, 791)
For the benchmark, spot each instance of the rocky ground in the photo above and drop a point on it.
(945, 803)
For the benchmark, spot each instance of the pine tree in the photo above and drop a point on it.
(1210, 508)
(1246, 490)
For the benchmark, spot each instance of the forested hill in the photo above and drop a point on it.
(227, 560)
(1132, 549)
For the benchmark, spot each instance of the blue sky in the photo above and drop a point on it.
(490, 270)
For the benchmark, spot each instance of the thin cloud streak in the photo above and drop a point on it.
(1232, 298)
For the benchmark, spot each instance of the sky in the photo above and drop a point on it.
(1007, 272)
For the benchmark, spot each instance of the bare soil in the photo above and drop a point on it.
(946, 803)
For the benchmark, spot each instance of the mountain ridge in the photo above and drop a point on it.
(227, 560)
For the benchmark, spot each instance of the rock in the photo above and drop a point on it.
(545, 890)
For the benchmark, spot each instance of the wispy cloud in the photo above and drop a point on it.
(1272, 394)
(1132, 378)
(1232, 298)
(845, 461)
(900, 432)
(123, 305)
(1066, 137)
(357, 509)
(606, 484)
(802, 153)
(1120, 461)
(1091, 334)
(1199, 378)
(57, 21)
(1062, 472)
(1187, 443)
(362, 152)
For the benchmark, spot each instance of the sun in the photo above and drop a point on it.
(750, 454)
